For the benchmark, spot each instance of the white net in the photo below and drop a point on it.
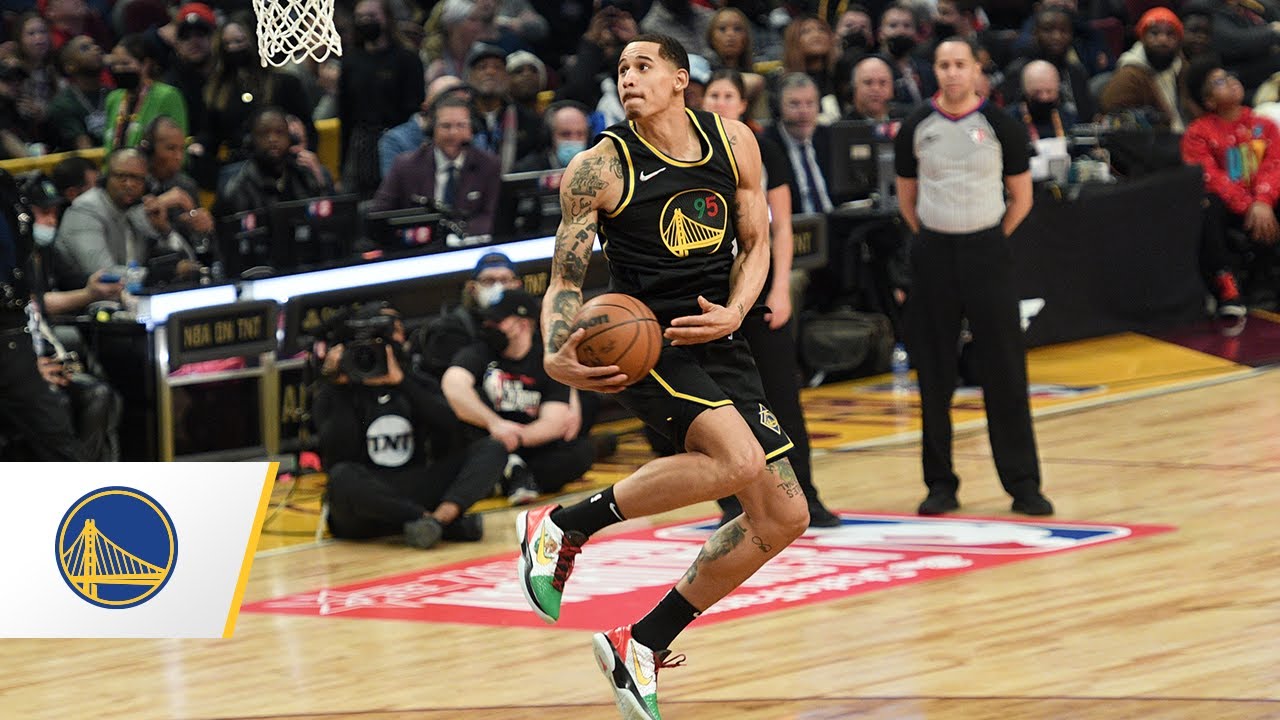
(290, 31)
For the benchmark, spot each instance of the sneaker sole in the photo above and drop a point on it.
(625, 698)
(523, 496)
(522, 527)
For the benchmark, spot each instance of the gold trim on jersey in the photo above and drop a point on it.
(711, 150)
(728, 148)
(684, 396)
(780, 450)
(682, 233)
(630, 180)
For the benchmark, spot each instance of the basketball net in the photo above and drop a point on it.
(290, 31)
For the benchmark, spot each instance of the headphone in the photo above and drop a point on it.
(147, 143)
(429, 128)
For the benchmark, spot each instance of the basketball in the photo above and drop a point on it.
(621, 331)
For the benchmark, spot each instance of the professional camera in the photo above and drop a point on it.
(364, 354)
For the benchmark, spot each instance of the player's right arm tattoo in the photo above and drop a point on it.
(720, 544)
(574, 240)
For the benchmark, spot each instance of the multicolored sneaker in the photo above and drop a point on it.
(546, 559)
(632, 671)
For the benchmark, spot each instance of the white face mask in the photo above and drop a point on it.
(487, 295)
(43, 234)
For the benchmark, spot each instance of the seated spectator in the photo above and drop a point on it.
(409, 135)
(117, 224)
(437, 342)
(591, 79)
(1053, 36)
(1197, 31)
(15, 131)
(445, 172)
(139, 97)
(699, 76)
(1040, 109)
(913, 78)
(386, 443)
(1147, 76)
(729, 45)
(1088, 45)
(683, 20)
(192, 66)
(528, 78)
(500, 388)
(1240, 154)
(806, 143)
(72, 18)
(34, 53)
(565, 122)
(73, 177)
(1246, 34)
(77, 115)
(272, 174)
(873, 91)
(808, 46)
(507, 129)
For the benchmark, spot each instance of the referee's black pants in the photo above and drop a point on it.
(775, 354)
(29, 408)
(970, 276)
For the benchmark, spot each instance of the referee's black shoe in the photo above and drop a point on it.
(821, 517)
(938, 502)
(1032, 504)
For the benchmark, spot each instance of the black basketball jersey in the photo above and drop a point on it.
(671, 238)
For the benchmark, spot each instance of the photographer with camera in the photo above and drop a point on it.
(29, 409)
(500, 388)
(386, 440)
(274, 172)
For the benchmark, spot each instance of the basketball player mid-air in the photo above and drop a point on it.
(669, 192)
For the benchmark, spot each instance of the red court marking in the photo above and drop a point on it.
(619, 577)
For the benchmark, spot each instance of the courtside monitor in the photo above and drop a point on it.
(313, 232)
(861, 153)
(244, 242)
(528, 205)
(407, 229)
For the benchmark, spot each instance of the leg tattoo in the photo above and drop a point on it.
(782, 469)
(720, 544)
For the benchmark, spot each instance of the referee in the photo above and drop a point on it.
(956, 159)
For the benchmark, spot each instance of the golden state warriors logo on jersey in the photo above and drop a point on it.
(694, 222)
(116, 547)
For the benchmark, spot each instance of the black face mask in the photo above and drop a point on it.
(900, 45)
(1041, 111)
(239, 58)
(494, 338)
(1160, 61)
(127, 80)
(942, 31)
(368, 31)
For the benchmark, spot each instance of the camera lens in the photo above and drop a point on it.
(364, 358)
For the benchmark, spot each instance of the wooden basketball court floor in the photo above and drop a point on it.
(1184, 624)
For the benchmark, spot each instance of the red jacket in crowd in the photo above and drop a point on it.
(1241, 158)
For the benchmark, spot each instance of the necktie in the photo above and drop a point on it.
(451, 185)
(813, 200)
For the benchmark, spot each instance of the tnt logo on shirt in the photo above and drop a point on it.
(511, 392)
(389, 441)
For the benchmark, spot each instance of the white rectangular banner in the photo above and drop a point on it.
(129, 550)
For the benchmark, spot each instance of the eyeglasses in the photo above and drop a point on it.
(1221, 82)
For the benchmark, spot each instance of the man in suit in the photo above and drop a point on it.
(806, 144)
(446, 172)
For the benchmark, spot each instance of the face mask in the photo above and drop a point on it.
(567, 149)
(1041, 112)
(900, 45)
(488, 295)
(43, 234)
(1160, 61)
(369, 31)
(239, 58)
(942, 31)
(494, 338)
(127, 79)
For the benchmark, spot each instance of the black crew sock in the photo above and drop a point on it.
(664, 622)
(590, 515)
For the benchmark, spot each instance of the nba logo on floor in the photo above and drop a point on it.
(116, 547)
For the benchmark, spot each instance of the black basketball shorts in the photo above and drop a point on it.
(692, 378)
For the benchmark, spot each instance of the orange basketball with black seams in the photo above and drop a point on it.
(621, 331)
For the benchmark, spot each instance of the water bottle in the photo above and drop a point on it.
(900, 365)
(134, 276)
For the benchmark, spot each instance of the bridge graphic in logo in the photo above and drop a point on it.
(116, 547)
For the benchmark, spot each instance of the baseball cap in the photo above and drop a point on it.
(480, 51)
(513, 302)
(196, 14)
(493, 260)
(521, 58)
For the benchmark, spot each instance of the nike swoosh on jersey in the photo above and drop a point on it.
(647, 176)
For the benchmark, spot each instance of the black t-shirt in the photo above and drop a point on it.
(386, 427)
(515, 389)
(672, 237)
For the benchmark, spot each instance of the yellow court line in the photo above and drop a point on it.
(251, 547)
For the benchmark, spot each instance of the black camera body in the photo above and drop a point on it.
(365, 344)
